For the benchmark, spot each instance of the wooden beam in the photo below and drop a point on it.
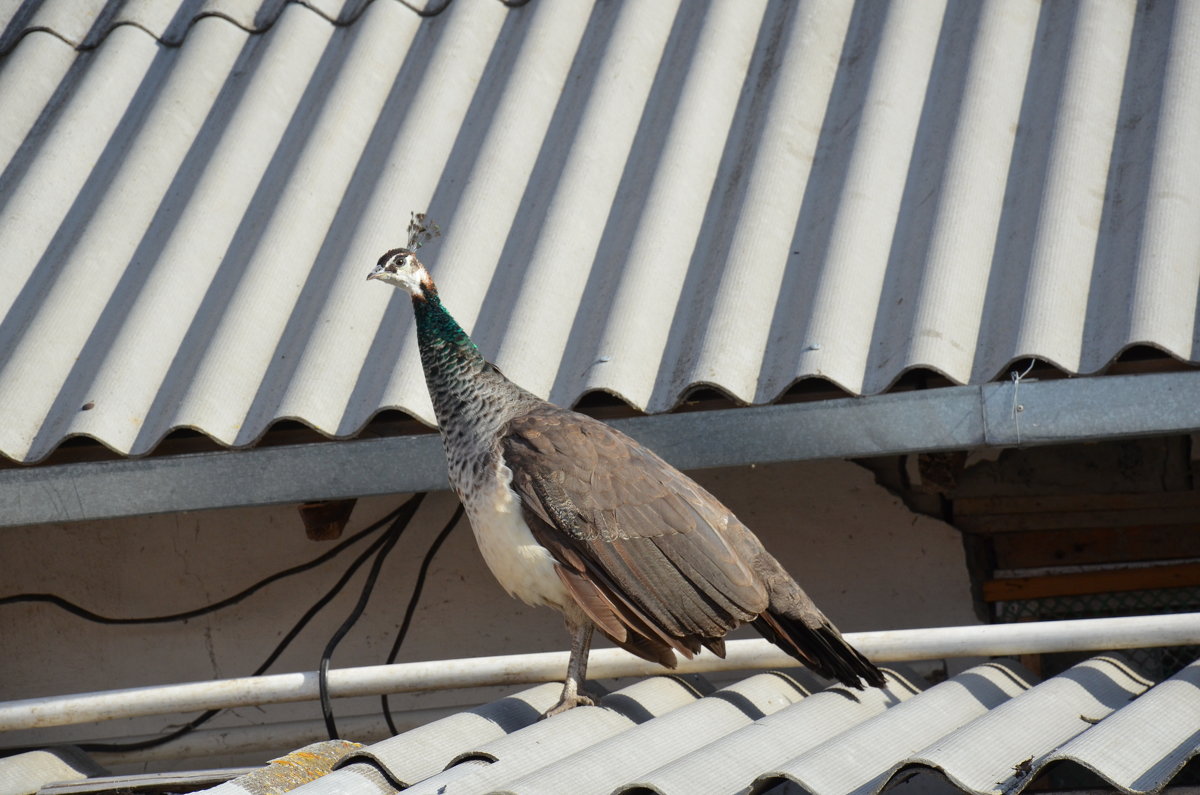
(1093, 545)
(1087, 512)
(1071, 503)
(1092, 582)
(1082, 520)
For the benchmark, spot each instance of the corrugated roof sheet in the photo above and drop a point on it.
(27, 772)
(992, 729)
(639, 198)
(304, 765)
(85, 23)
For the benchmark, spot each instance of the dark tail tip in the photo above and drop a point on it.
(823, 649)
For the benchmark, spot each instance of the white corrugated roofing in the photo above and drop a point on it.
(638, 198)
(992, 729)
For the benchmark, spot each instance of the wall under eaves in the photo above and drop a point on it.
(638, 198)
(866, 560)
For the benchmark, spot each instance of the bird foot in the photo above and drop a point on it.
(569, 702)
(573, 694)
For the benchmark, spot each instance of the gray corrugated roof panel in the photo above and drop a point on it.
(85, 23)
(355, 778)
(422, 752)
(543, 744)
(527, 750)
(22, 774)
(1143, 745)
(639, 198)
(862, 758)
(67, 20)
(1031, 726)
(651, 744)
(475, 751)
(992, 729)
(285, 774)
(732, 761)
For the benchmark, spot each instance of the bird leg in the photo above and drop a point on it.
(581, 644)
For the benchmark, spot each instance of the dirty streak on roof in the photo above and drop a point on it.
(639, 198)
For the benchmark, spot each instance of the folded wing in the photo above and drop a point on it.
(640, 546)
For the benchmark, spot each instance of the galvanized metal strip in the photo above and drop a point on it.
(260, 476)
(1021, 412)
(943, 419)
(954, 418)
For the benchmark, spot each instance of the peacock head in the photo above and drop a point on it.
(401, 268)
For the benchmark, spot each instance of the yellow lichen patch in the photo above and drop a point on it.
(299, 767)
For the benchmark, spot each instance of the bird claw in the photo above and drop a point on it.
(569, 702)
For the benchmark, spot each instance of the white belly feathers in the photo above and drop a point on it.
(523, 567)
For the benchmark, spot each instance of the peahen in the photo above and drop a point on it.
(572, 514)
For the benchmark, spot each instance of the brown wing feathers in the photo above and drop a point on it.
(656, 562)
(628, 536)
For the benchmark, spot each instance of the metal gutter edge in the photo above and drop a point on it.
(954, 418)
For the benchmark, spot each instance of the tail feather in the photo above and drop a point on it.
(821, 647)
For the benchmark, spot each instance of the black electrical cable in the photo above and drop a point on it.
(405, 510)
(388, 541)
(334, 591)
(71, 607)
(413, 600)
(153, 742)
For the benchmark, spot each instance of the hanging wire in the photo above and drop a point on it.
(399, 514)
(379, 549)
(413, 600)
(84, 613)
(386, 543)
(1018, 408)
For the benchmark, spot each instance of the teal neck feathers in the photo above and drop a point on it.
(443, 342)
(472, 399)
(467, 391)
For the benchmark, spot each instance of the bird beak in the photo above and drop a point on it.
(374, 275)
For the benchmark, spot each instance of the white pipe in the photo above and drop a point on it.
(885, 646)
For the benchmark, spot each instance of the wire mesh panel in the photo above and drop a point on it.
(1156, 663)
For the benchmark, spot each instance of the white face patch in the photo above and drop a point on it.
(402, 269)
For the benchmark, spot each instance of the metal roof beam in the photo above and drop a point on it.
(954, 418)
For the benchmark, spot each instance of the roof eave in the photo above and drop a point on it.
(995, 415)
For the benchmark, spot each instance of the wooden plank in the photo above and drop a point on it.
(1092, 545)
(1067, 503)
(1021, 522)
(1092, 582)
